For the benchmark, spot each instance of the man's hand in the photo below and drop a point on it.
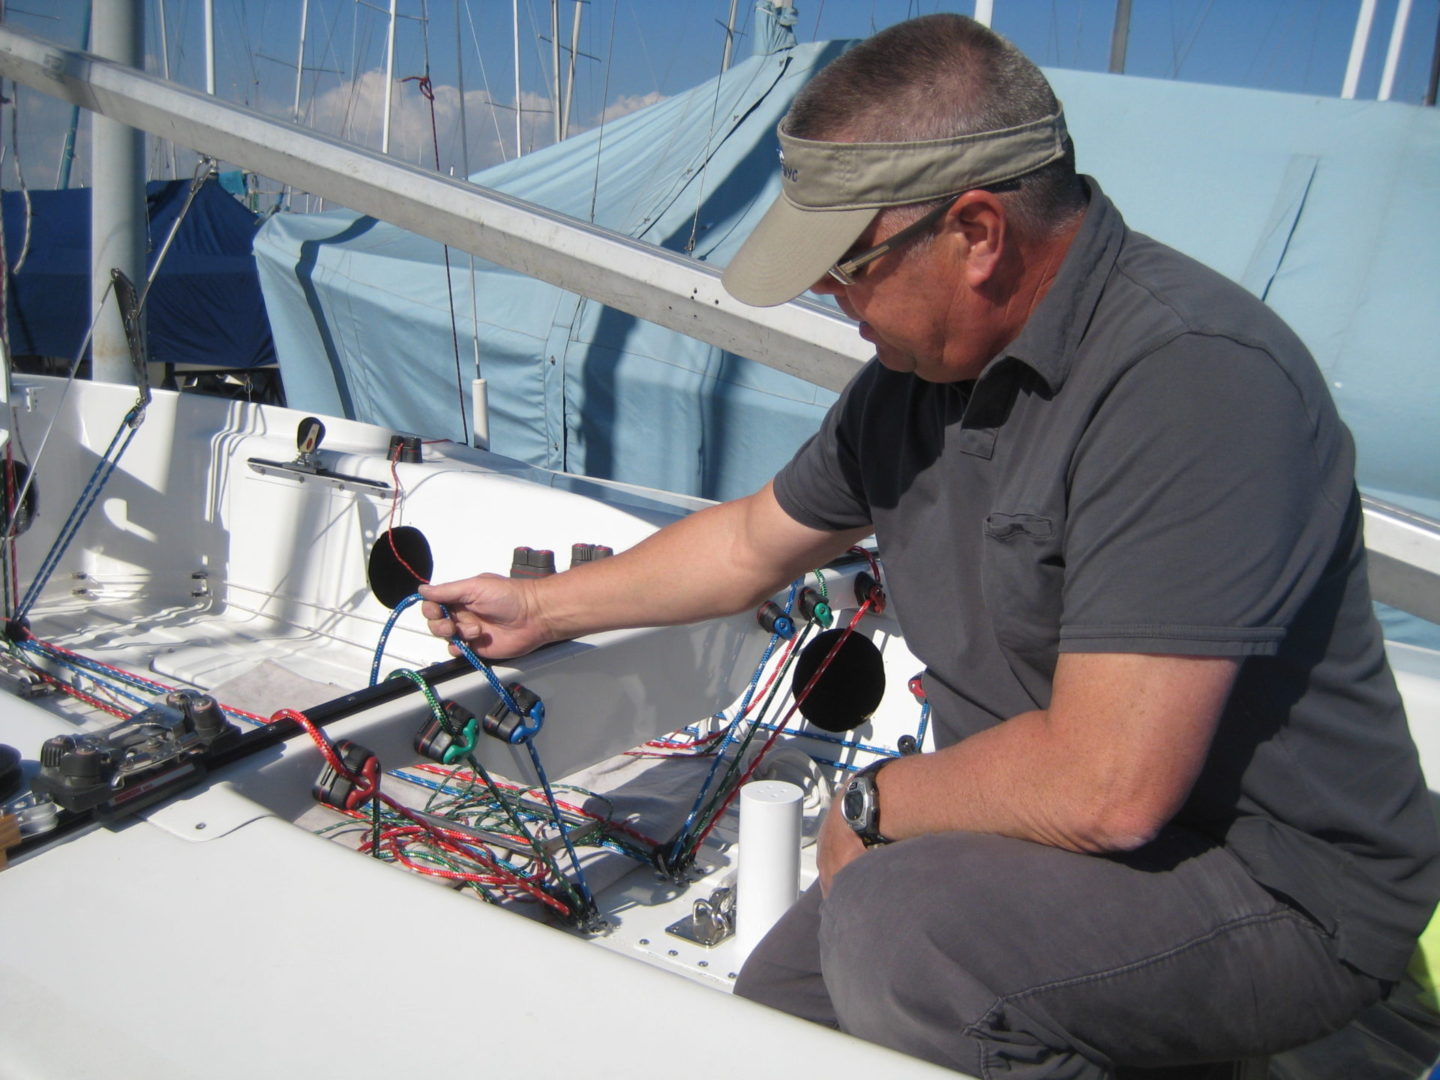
(838, 845)
(496, 616)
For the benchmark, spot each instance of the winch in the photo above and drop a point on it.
(130, 764)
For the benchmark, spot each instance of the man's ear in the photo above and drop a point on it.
(978, 219)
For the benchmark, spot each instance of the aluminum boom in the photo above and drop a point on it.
(803, 338)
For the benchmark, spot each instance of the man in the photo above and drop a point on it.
(1175, 814)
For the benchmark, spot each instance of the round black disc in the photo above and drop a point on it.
(851, 687)
(399, 561)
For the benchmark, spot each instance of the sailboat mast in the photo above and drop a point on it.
(165, 67)
(67, 151)
(389, 80)
(460, 88)
(1392, 54)
(555, 66)
(729, 38)
(117, 220)
(299, 77)
(1120, 37)
(1357, 48)
(210, 46)
(300, 58)
(570, 78)
(515, 41)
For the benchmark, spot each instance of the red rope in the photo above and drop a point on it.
(446, 839)
(11, 534)
(88, 699)
(470, 777)
(800, 697)
(394, 506)
(50, 646)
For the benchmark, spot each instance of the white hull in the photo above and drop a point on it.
(213, 936)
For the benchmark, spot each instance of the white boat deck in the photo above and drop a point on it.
(218, 934)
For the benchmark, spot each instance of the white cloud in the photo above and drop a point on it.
(629, 103)
(355, 112)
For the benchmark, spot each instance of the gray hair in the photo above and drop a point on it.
(936, 77)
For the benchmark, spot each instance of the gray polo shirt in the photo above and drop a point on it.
(1155, 466)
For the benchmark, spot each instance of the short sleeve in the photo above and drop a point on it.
(1207, 496)
(821, 486)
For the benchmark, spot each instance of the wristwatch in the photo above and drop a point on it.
(860, 804)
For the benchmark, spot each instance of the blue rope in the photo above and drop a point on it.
(409, 602)
(825, 736)
(464, 650)
(82, 507)
(560, 824)
(682, 837)
(106, 677)
(510, 703)
(113, 679)
(484, 669)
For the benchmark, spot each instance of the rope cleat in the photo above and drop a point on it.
(816, 608)
(773, 620)
(451, 737)
(508, 725)
(868, 589)
(356, 785)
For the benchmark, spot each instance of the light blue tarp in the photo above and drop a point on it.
(1328, 209)
(361, 311)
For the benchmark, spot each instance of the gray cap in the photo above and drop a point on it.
(829, 192)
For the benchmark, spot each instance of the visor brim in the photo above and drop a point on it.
(790, 250)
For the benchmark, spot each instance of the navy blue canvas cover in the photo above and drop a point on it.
(205, 309)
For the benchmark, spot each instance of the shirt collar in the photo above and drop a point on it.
(1050, 337)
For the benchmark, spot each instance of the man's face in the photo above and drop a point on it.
(914, 305)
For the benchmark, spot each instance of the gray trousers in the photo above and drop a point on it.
(1003, 958)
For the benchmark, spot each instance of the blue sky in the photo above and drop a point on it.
(636, 51)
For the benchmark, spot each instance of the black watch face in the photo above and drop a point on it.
(853, 804)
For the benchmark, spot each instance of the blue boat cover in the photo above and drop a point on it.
(206, 307)
(1328, 209)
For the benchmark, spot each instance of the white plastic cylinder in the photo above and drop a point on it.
(480, 413)
(769, 877)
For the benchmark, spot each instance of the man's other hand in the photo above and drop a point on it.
(496, 616)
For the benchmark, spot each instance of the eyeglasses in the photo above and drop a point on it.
(845, 271)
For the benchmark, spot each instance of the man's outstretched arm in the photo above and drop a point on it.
(717, 561)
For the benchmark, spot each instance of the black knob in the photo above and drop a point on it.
(208, 719)
(309, 435)
(54, 749)
(84, 763)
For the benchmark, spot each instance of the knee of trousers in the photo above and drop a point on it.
(878, 951)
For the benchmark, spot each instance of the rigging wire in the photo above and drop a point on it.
(13, 99)
(1180, 54)
(485, 79)
(130, 423)
(427, 91)
(604, 96)
(423, 843)
(780, 727)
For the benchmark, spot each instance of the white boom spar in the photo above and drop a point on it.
(802, 338)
